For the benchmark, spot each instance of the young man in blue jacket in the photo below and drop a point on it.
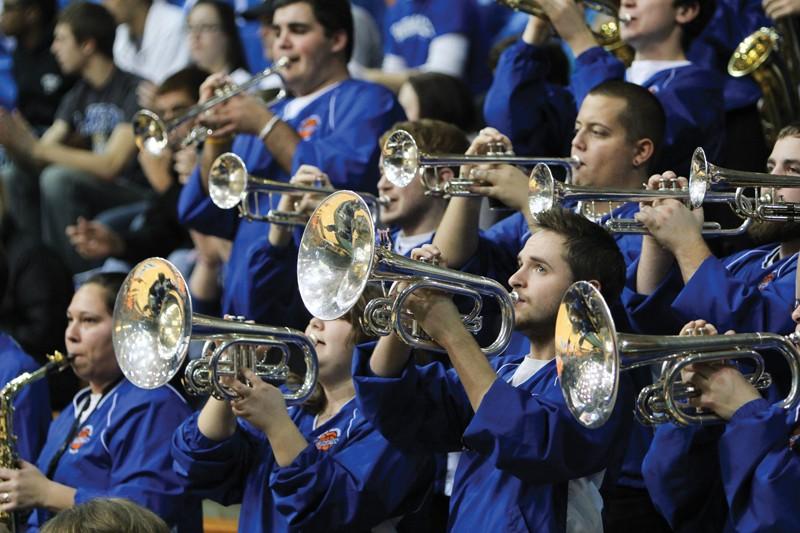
(527, 464)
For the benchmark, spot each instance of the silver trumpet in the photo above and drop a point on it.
(338, 257)
(403, 161)
(591, 355)
(230, 185)
(152, 133)
(153, 324)
(764, 206)
(545, 192)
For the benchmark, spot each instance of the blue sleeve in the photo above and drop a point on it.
(349, 155)
(652, 313)
(716, 295)
(425, 409)
(272, 285)
(197, 211)
(142, 465)
(536, 115)
(760, 471)
(593, 67)
(355, 488)
(212, 469)
(32, 416)
(536, 438)
(681, 473)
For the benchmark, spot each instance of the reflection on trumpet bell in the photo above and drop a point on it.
(153, 324)
(152, 134)
(403, 161)
(338, 257)
(591, 355)
(230, 185)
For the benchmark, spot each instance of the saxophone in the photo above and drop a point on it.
(9, 458)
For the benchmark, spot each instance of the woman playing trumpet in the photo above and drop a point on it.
(318, 466)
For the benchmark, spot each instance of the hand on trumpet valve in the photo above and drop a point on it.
(505, 183)
(488, 140)
(698, 327)
(259, 403)
(719, 387)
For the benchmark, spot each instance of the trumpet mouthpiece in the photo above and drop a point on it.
(383, 200)
(514, 297)
(624, 18)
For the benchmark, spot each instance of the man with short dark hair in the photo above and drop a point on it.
(96, 116)
(331, 122)
(527, 463)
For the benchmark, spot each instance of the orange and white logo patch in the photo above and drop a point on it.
(83, 436)
(328, 440)
(308, 127)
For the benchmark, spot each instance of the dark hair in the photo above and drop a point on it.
(187, 80)
(790, 130)
(47, 10)
(236, 58)
(333, 15)
(89, 21)
(444, 97)
(591, 252)
(643, 115)
(111, 282)
(694, 27)
(106, 515)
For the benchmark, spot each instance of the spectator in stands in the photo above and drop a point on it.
(102, 172)
(428, 36)
(332, 122)
(158, 232)
(214, 43)
(440, 97)
(150, 42)
(40, 83)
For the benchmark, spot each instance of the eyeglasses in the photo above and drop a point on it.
(203, 28)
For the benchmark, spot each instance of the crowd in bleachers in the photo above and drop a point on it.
(110, 154)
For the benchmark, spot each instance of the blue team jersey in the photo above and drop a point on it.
(743, 474)
(119, 451)
(520, 449)
(32, 412)
(340, 129)
(691, 96)
(349, 478)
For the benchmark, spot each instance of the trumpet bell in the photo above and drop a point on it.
(150, 332)
(227, 181)
(699, 178)
(336, 255)
(753, 51)
(586, 348)
(149, 132)
(541, 189)
(401, 158)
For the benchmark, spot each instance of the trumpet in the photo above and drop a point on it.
(544, 192)
(403, 161)
(764, 206)
(152, 133)
(230, 185)
(591, 354)
(338, 257)
(153, 324)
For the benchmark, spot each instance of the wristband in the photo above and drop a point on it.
(267, 129)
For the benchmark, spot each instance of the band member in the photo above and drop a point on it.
(742, 474)
(526, 463)
(320, 466)
(332, 122)
(110, 441)
(678, 278)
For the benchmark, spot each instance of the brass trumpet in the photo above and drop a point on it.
(152, 133)
(403, 161)
(153, 324)
(338, 256)
(591, 355)
(545, 192)
(230, 185)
